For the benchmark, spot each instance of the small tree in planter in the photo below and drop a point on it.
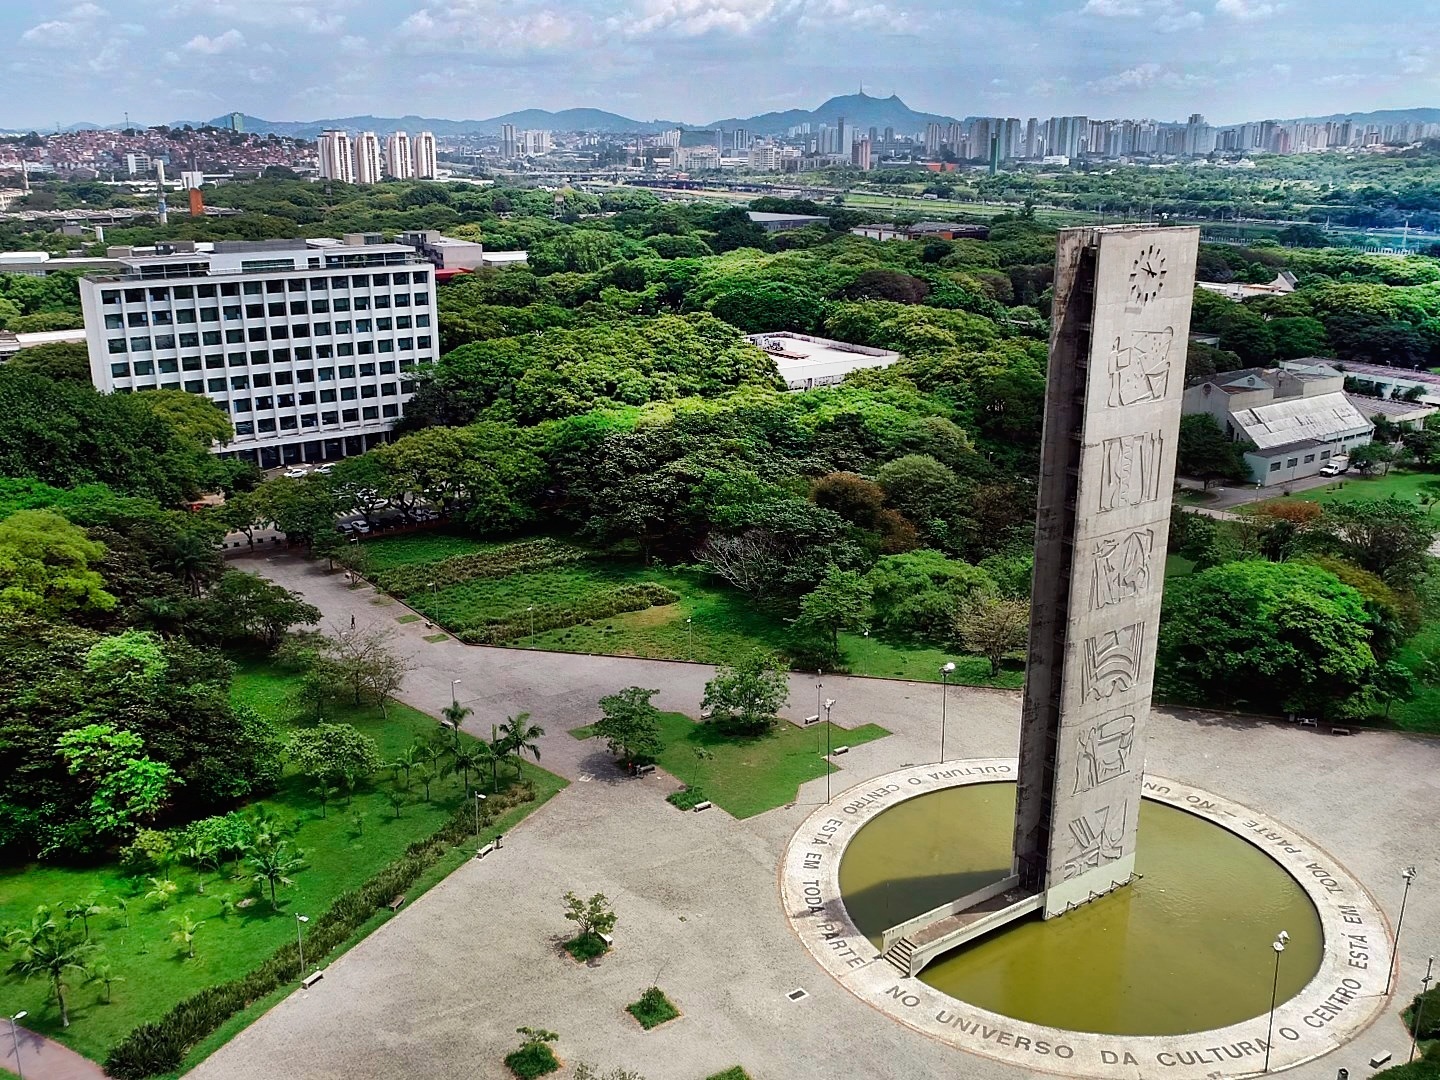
(631, 725)
(653, 1008)
(534, 1058)
(594, 918)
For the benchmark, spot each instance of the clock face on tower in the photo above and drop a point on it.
(1147, 276)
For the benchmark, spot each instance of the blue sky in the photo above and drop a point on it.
(698, 60)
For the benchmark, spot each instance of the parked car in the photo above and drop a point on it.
(325, 469)
(295, 472)
(360, 527)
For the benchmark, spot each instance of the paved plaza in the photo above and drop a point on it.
(439, 990)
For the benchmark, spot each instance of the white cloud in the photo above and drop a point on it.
(1246, 10)
(1111, 9)
(1167, 16)
(1146, 75)
(77, 25)
(1186, 20)
(229, 41)
(1414, 61)
(691, 18)
(490, 29)
(1351, 78)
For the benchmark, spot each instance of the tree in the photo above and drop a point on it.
(520, 737)
(919, 593)
(252, 608)
(591, 917)
(1388, 537)
(455, 715)
(1206, 453)
(840, 602)
(994, 626)
(45, 567)
(125, 787)
(59, 361)
(745, 698)
(468, 758)
(85, 910)
(630, 724)
(364, 661)
(186, 927)
(328, 752)
(426, 774)
(1279, 637)
(1394, 682)
(162, 891)
(1372, 457)
(274, 865)
(50, 949)
(103, 972)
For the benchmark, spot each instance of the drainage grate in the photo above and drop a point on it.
(797, 994)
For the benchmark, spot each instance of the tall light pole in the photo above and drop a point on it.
(300, 921)
(434, 604)
(479, 798)
(531, 610)
(690, 633)
(454, 701)
(1279, 946)
(819, 704)
(829, 704)
(1409, 875)
(1420, 1008)
(945, 673)
(15, 1039)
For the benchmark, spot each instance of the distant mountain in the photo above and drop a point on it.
(564, 120)
(860, 109)
(1379, 118)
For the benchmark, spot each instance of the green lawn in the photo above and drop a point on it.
(747, 776)
(1422, 714)
(1353, 488)
(392, 551)
(156, 974)
(711, 624)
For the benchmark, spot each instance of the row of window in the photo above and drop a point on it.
(163, 342)
(160, 295)
(310, 420)
(305, 397)
(1291, 463)
(263, 378)
(188, 316)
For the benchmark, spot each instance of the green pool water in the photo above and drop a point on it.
(1186, 948)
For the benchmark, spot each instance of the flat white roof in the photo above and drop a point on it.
(805, 361)
(1325, 418)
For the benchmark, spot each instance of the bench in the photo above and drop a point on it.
(1341, 731)
(609, 941)
(839, 750)
(812, 719)
(1379, 1059)
(311, 979)
(486, 850)
(394, 904)
(1309, 721)
(644, 770)
(701, 806)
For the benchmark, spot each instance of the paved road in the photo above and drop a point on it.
(438, 991)
(42, 1059)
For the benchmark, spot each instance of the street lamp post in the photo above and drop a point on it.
(15, 1039)
(300, 921)
(531, 610)
(434, 603)
(1279, 946)
(1420, 1008)
(819, 705)
(945, 673)
(479, 798)
(454, 701)
(1409, 875)
(829, 704)
(690, 634)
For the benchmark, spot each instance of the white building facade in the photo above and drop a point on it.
(399, 162)
(367, 158)
(310, 347)
(337, 156)
(427, 162)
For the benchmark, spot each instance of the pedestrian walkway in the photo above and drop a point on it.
(44, 1059)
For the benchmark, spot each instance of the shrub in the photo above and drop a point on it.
(497, 562)
(534, 1058)
(735, 1072)
(653, 1008)
(586, 947)
(686, 797)
(598, 605)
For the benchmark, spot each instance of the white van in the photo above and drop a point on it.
(1338, 464)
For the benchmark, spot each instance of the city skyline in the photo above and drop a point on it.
(1233, 60)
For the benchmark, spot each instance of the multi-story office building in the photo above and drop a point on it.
(367, 158)
(507, 141)
(398, 160)
(310, 347)
(426, 160)
(860, 154)
(337, 157)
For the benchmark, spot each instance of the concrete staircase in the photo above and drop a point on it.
(899, 955)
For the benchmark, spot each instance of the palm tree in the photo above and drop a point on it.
(85, 910)
(520, 736)
(407, 759)
(192, 558)
(47, 948)
(495, 750)
(186, 927)
(324, 791)
(123, 907)
(202, 853)
(273, 866)
(397, 799)
(455, 715)
(102, 972)
(162, 891)
(468, 759)
(425, 773)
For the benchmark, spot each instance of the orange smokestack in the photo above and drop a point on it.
(197, 203)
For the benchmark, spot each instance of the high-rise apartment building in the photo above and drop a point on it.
(337, 157)
(399, 162)
(932, 140)
(507, 142)
(367, 158)
(427, 162)
(310, 347)
(860, 154)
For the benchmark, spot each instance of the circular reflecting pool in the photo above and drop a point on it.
(1185, 948)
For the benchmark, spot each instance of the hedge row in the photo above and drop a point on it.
(597, 605)
(159, 1047)
(415, 578)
